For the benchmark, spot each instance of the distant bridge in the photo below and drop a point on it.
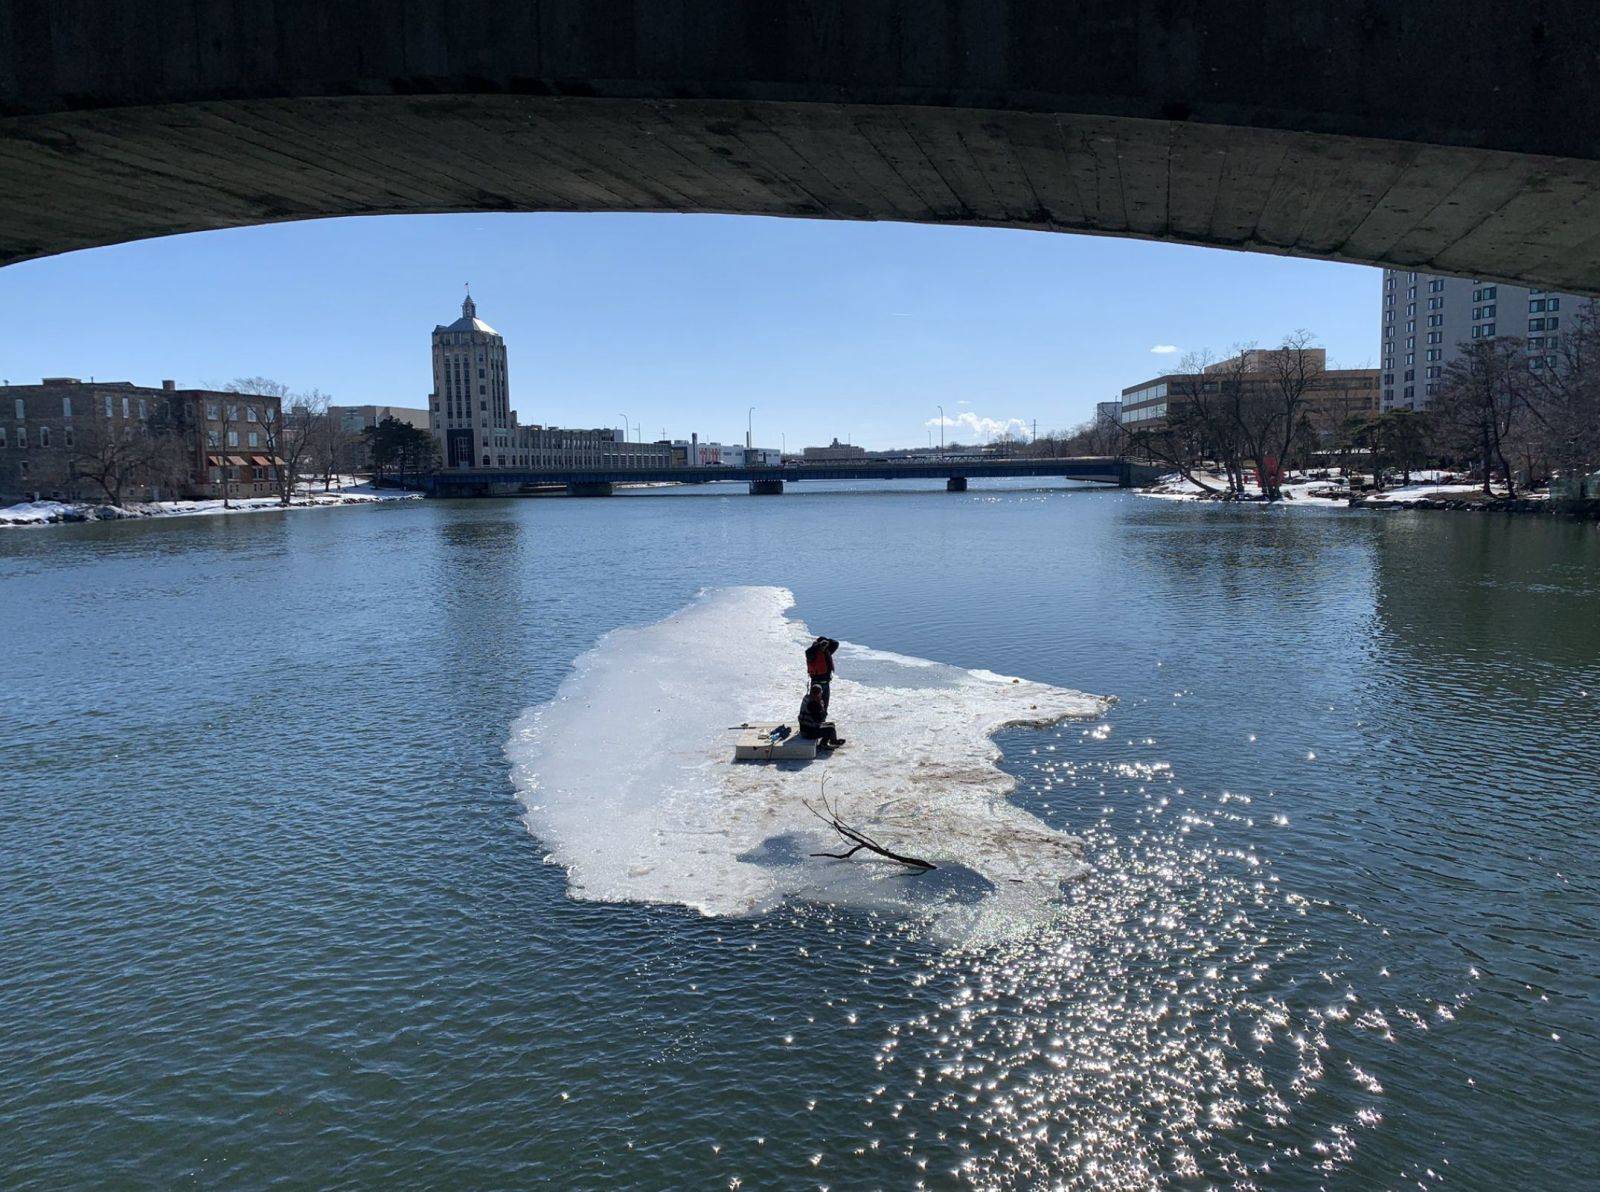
(485, 482)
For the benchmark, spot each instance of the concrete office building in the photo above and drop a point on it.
(1108, 413)
(354, 451)
(1425, 317)
(1333, 395)
(217, 443)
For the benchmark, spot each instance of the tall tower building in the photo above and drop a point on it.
(471, 399)
(1425, 317)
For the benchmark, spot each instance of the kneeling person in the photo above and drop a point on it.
(813, 725)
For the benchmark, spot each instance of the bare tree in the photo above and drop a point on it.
(1271, 409)
(1564, 396)
(290, 436)
(332, 446)
(108, 456)
(1480, 401)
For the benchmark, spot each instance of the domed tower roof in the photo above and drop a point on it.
(469, 320)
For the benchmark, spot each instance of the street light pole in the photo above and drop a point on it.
(624, 428)
(941, 432)
(749, 428)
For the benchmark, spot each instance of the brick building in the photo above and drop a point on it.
(1332, 397)
(163, 443)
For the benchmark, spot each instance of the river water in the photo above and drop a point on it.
(273, 912)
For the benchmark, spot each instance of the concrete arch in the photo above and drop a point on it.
(1449, 135)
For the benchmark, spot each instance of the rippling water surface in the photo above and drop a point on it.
(271, 912)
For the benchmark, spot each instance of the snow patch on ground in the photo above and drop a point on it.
(40, 513)
(627, 774)
(1425, 484)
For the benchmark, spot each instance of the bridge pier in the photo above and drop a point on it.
(766, 488)
(590, 488)
(956, 484)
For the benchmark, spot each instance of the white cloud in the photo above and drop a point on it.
(967, 425)
(1164, 349)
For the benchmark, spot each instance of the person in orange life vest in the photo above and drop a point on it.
(819, 667)
(813, 725)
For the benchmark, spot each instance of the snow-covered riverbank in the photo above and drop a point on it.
(45, 513)
(1301, 491)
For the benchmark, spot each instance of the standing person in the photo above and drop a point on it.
(814, 725)
(819, 667)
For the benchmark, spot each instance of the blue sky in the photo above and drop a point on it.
(681, 322)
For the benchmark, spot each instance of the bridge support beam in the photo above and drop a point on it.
(590, 488)
(956, 484)
(766, 488)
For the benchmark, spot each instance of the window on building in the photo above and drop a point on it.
(1411, 292)
(1410, 358)
(1411, 391)
(1436, 337)
(1536, 305)
(108, 405)
(1555, 304)
(22, 409)
(44, 436)
(1488, 330)
(125, 410)
(1432, 373)
(1388, 378)
(1388, 299)
(1535, 341)
(1552, 324)
(22, 468)
(1411, 310)
(1411, 327)
(1435, 303)
(213, 438)
(143, 410)
(1436, 285)
(66, 407)
(233, 440)
(22, 438)
(252, 439)
(1434, 353)
(1436, 320)
(213, 411)
(1411, 343)
(233, 413)
(1536, 362)
(1535, 324)
(2, 437)
(66, 434)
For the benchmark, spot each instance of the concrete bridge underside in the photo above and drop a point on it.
(1447, 135)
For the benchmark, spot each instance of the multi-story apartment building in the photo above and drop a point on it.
(1426, 317)
(62, 430)
(1332, 396)
(475, 427)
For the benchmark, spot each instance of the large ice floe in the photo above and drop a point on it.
(627, 777)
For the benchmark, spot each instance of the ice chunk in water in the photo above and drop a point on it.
(626, 775)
